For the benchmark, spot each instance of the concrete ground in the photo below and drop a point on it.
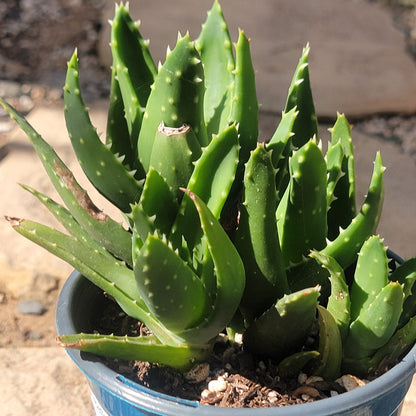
(358, 66)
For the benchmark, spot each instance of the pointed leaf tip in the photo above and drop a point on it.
(14, 221)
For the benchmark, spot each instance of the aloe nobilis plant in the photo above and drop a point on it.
(222, 233)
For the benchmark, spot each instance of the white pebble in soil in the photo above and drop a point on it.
(218, 385)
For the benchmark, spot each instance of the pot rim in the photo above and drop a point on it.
(144, 397)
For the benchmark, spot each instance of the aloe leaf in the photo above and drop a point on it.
(142, 226)
(282, 137)
(409, 310)
(101, 166)
(405, 274)
(204, 267)
(229, 272)
(330, 346)
(215, 48)
(143, 348)
(170, 289)
(157, 203)
(292, 365)
(281, 146)
(308, 273)
(396, 347)
(211, 180)
(334, 157)
(371, 275)
(111, 275)
(385, 357)
(343, 208)
(135, 70)
(273, 333)
(68, 221)
(176, 98)
(244, 112)
(348, 243)
(339, 302)
(117, 132)
(376, 324)
(256, 238)
(100, 226)
(174, 153)
(300, 95)
(215, 170)
(301, 213)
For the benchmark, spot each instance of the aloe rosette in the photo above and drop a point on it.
(222, 232)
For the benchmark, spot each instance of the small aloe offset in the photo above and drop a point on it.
(223, 233)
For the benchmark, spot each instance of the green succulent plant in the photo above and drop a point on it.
(223, 232)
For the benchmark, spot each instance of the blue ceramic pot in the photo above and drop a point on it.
(112, 394)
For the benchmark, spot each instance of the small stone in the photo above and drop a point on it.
(54, 94)
(238, 338)
(350, 382)
(272, 397)
(205, 394)
(37, 93)
(25, 104)
(302, 377)
(44, 283)
(198, 373)
(26, 88)
(30, 307)
(209, 397)
(6, 126)
(306, 390)
(218, 385)
(313, 379)
(33, 335)
(9, 89)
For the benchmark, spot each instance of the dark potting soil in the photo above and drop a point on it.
(231, 378)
